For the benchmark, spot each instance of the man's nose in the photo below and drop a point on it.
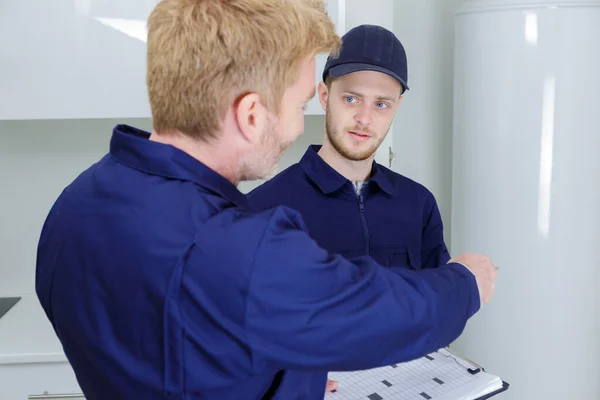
(363, 115)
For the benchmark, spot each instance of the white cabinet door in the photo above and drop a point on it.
(337, 12)
(65, 59)
(73, 59)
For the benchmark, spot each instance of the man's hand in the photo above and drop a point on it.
(331, 385)
(484, 270)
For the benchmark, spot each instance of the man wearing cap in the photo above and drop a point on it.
(352, 205)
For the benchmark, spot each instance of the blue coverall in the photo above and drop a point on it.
(161, 283)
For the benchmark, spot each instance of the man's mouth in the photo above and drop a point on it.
(359, 135)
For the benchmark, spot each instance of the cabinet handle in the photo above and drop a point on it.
(47, 396)
(391, 157)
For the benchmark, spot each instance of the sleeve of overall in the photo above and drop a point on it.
(433, 248)
(309, 309)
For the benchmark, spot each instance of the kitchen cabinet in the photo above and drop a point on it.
(69, 59)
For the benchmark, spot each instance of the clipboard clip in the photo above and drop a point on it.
(473, 371)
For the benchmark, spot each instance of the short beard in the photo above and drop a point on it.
(336, 143)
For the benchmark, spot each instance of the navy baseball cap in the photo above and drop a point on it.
(372, 48)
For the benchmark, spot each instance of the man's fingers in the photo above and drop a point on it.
(331, 385)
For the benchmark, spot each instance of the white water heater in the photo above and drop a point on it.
(526, 189)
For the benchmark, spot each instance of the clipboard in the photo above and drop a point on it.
(441, 375)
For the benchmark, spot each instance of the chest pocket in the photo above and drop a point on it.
(407, 257)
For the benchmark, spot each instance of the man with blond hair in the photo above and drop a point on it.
(161, 283)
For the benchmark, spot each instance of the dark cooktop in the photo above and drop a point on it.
(6, 303)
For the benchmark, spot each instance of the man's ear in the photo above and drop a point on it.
(323, 94)
(250, 115)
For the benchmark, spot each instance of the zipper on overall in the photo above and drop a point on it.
(363, 218)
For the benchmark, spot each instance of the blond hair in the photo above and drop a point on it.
(203, 54)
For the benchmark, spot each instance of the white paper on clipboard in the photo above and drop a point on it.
(441, 375)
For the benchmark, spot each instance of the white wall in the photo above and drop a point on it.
(423, 126)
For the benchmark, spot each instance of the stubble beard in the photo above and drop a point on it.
(336, 139)
(264, 163)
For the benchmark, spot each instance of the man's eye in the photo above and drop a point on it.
(350, 99)
(381, 105)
